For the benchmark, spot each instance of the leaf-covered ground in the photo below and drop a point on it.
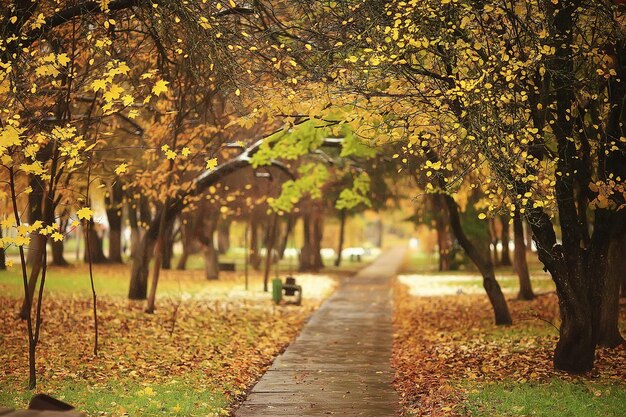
(195, 356)
(450, 360)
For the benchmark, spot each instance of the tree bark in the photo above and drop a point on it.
(223, 236)
(3, 259)
(95, 246)
(168, 248)
(58, 259)
(442, 227)
(505, 257)
(283, 237)
(255, 255)
(608, 323)
(484, 265)
(310, 255)
(519, 259)
(271, 240)
(342, 231)
(206, 237)
(494, 241)
(114, 216)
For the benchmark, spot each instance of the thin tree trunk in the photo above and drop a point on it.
(207, 238)
(223, 236)
(3, 260)
(305, 258)
(505, 258)
(519, 258)
(529, 237)
(164, 228)
(318, 234)
(284, 237)
(442, 227)
(255, 256)
(484, 265)
(342, 232)
(114, 216)
(168, 248)
(493, 247)
(269, 251)
(186, 241)
(37, 246)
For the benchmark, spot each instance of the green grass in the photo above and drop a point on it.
(112, 280)
(556, 398)
(127, 396)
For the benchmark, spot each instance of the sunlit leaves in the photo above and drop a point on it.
(85, 213)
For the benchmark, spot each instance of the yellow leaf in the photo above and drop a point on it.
(185, 151)
(160, 87)
(85, 213)
(211, 163)
(121, 169)
(57, 237)
(99, 85)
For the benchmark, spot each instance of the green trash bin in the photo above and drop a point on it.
(277, 290)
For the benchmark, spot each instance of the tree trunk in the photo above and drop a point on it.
(305, 258)
(271, 240)
(283, 237)
(494, 241)
(505, 258)
(95, 246)
(529, 237)
(342, 231)
(255, 256)
(167, 252)
(623, 279)
(138, 289)
(206, 237)
(484, 265)
(36, 247)
(608, 323)
(114, 216)
(442, 227)
(318, 234)
(211, 264)
(310, 254)
(57, 253)
(223, 236)
(519, 258)
(3, 259)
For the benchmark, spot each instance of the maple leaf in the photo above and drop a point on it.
(211, 163)
(98, 85)
(57, 237)
(185, 151)
(85, 213)
(127, 100)
(160, 87)
(121, 169)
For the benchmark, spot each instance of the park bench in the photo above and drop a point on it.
(226, 266)
(43, 406)
(289, 288)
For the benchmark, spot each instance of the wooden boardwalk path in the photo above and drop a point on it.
(340, 363)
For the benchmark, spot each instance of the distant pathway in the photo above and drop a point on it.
(340, 363)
